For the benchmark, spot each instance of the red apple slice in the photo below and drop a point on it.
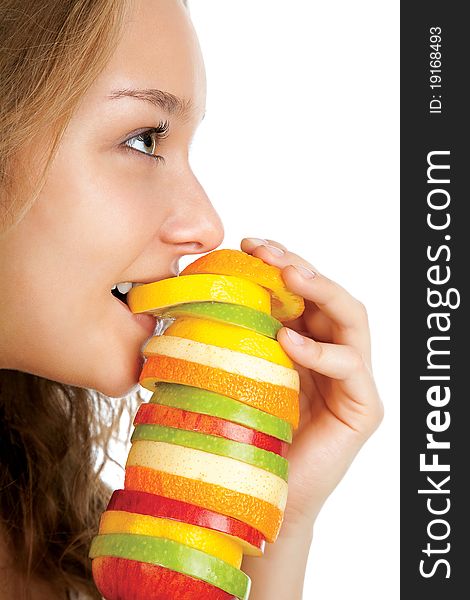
(175, 556)
(252, 540)
(118, 578)
(158, 414)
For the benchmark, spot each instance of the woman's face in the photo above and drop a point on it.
(110, 212)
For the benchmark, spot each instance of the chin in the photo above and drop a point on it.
(117, 391)
(117, 379)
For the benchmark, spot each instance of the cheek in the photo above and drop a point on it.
(89, 224)
(99, 214)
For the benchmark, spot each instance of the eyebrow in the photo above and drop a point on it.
(171, 104)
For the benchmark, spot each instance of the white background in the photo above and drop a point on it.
(300, 145)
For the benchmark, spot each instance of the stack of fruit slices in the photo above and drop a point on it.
(206, 476)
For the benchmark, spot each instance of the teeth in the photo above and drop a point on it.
(124, 287)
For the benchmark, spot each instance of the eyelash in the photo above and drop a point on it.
(161, 131)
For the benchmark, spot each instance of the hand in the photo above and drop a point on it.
(339, 403)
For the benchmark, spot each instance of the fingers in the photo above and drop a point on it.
(312, 323)
(336, 315)
(328, 295)
(273, 250)
(333, 360)
(344, 364)
(346, 312)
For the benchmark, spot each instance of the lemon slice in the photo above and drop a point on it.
(207, 540)
(285, 304)
(156, 297)
(230, 336)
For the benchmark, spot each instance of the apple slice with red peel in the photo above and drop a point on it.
(118, 578)
(252, 540)
(175, 556)
(197, 400)
(169, 416)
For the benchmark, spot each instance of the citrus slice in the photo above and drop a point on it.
(225, 335)
(276, 400)
(261, 515)
(158, 296)
(225, 472)
(215, 445)
(285, 304)
(250, 539)
(119, 521)
(175, 556)
(118, 578)
(222, 358)
(157, 414)
(244, 316)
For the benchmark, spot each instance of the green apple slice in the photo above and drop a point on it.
(244, 316)
(173, 555)
(206, 402)
(216, 445)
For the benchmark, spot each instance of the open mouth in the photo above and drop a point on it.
(120, 291)
(119, 295)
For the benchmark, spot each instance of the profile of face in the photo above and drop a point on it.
(111, 211)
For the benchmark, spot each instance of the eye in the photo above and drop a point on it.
(146, 142)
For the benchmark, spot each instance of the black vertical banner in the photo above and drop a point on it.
(435, 322)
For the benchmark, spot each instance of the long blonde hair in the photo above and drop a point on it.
(51, 492)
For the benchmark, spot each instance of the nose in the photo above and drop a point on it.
(193, 222)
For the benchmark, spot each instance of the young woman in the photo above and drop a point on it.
(99, 100)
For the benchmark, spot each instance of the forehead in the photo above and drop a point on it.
(158, 49)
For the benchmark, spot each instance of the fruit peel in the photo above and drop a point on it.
(285, 305)
(118, 578)
(207, 540)
(261, 515)
(275, 400)
(197, 400)
(263, 459)
(175, 556)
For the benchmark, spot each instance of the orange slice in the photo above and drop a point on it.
(207, 540)
(224, 471)
(226, 335)
(276, 400)
(285, 305)
(222, 358)
(259, 514)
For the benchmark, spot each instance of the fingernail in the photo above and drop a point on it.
(295, 337)
(256, 241)
(274, 250)
(305, 271)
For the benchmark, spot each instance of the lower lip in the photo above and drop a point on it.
(147, 322)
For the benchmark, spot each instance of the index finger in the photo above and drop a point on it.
(345, 311)
(334, 301)
(347, 314)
